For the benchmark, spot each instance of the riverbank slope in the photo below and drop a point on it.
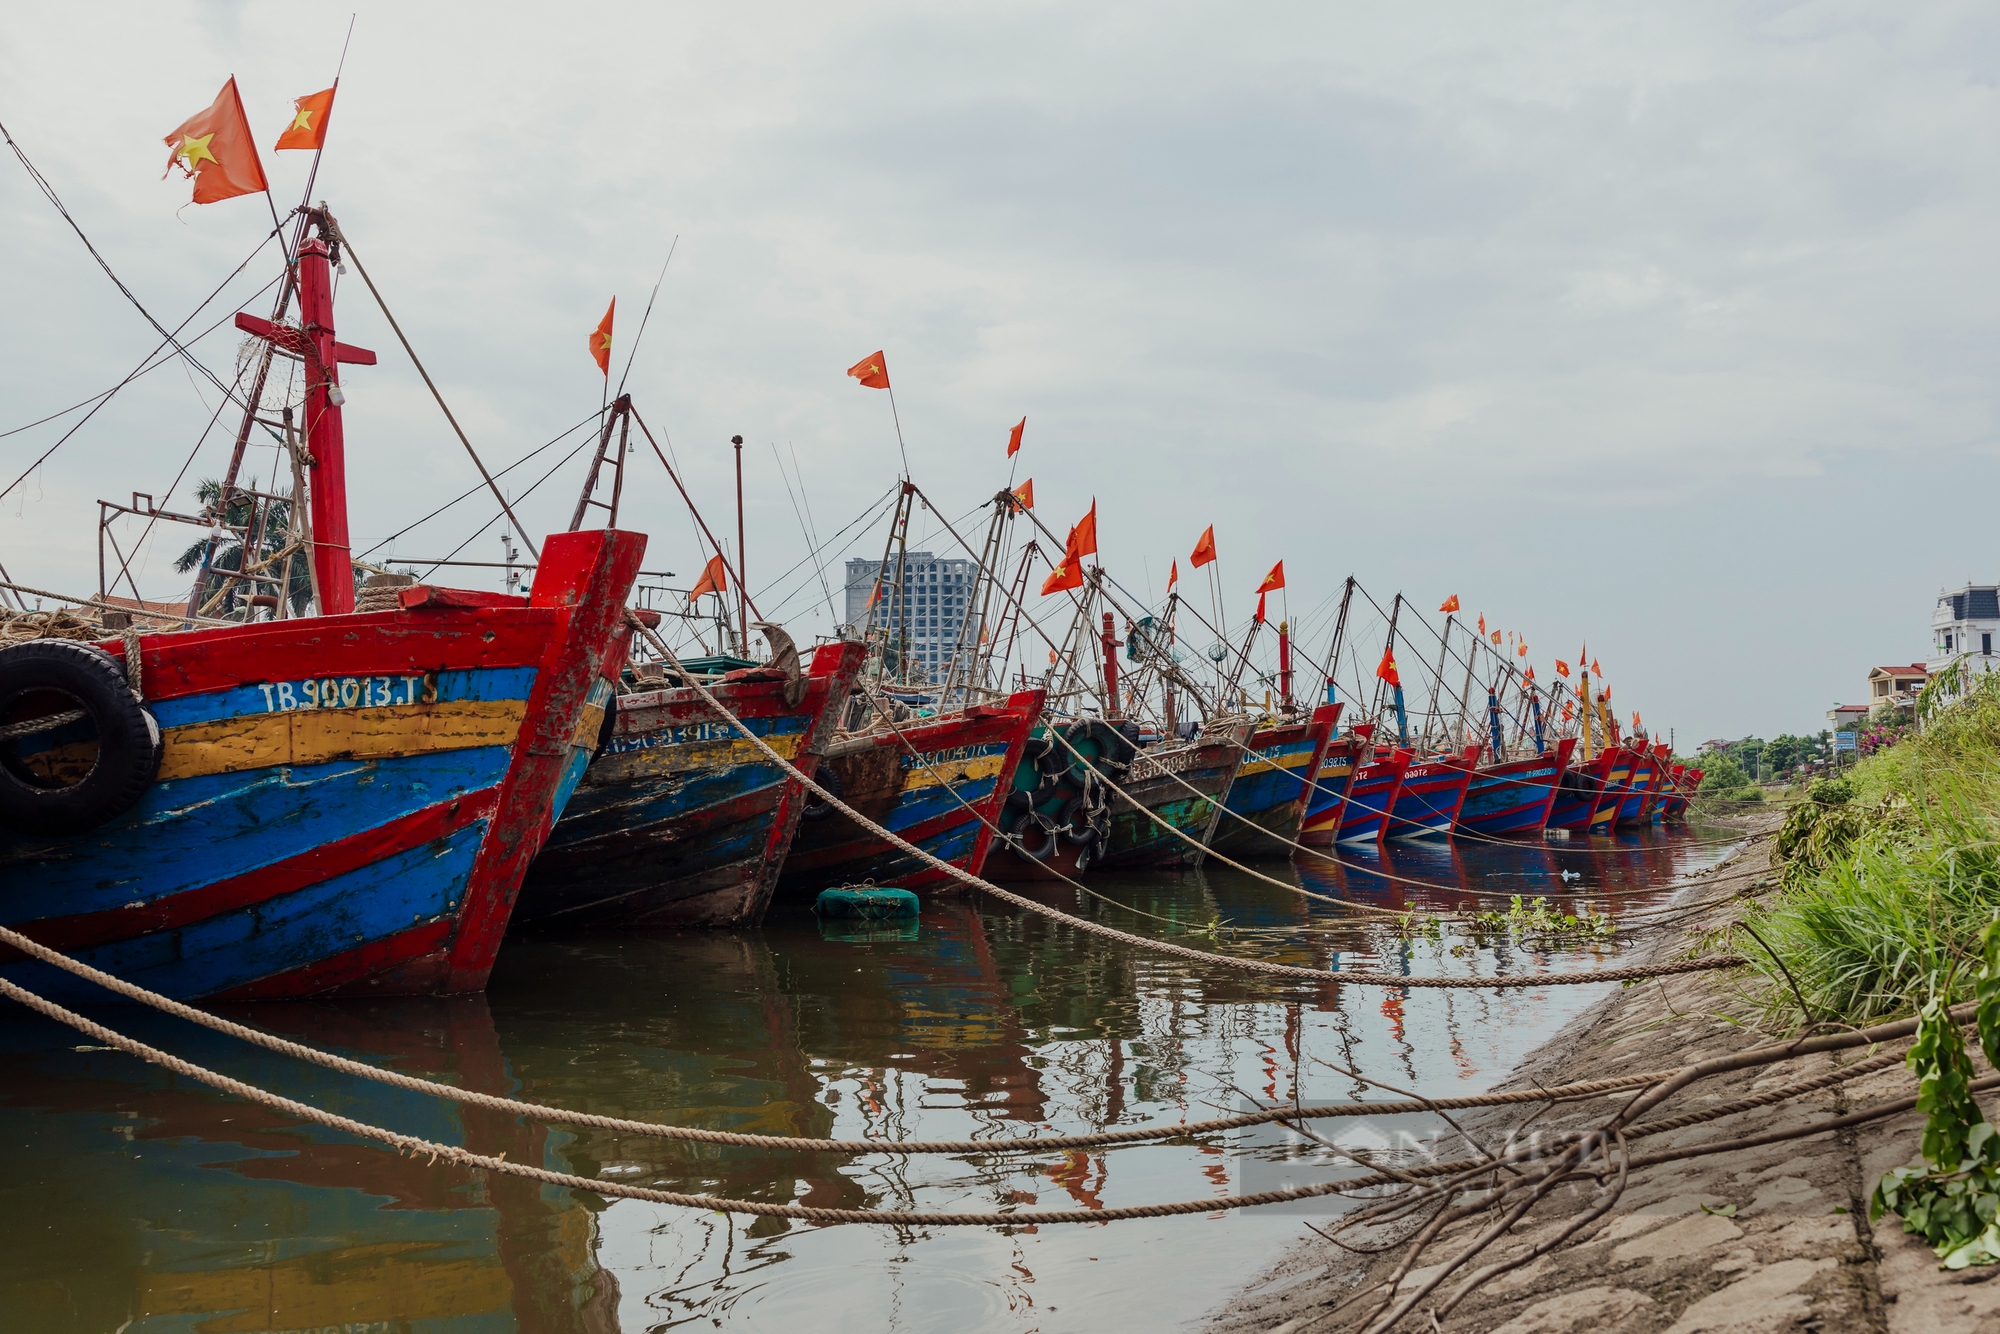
(1760, 1238)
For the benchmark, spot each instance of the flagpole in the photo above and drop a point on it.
(897, 418)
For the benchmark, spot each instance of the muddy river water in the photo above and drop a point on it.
(132, 1200)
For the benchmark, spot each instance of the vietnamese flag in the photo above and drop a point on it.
(1482, 623)
(1562, 668)
(1450, 603)
(216, 151)
(1204, 550)
(1386, 669)
(1024, 494)
(1522, 649)
(1531, 671)
(1273, 581)
(714, 579)
(1260, 607)
(309, 117)
(1083, 537)
(1013, 436)
(1173, 575)
(873, 372)
(1069, 574)
(600, 339)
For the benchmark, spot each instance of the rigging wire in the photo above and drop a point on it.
(147, 363)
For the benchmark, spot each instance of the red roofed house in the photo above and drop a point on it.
(1895, 687)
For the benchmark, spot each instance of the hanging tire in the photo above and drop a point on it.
(1017, 801)
(827, 777)
(76, 749)
(1031, 836)
(1075, 821)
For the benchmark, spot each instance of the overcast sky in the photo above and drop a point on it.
(1665, 326)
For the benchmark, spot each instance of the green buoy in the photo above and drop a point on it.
(866, 901)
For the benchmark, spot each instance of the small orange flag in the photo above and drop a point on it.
(1173, 575)
(1025, 494)
(1522, 649)
(714, 579)
(873, 372)
(1562, 668)
(600, 339)
(1083, 537)
(1273, 581)
(215, 150)
(1013, 436)
(1069, 574)
(1495, 636)
(1531, 672)
(1204, 550)
(1386, 669)
(1482, 622)
(1450, 603)
(1260, 608)
(309, 117)
(1595, 668)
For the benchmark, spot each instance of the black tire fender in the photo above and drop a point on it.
(45, 679)
(1030, 835)
(827, 777)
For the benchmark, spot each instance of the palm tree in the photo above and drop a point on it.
(229, 550)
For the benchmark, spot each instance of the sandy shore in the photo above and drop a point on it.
(1784, 1243)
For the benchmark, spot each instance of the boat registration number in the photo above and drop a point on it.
(349, 692)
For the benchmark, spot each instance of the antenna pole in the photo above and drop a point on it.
(742, 556)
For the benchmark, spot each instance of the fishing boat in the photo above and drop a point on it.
(936, 782)
(1063, 819)
(1428, 799)
(1371, 792)
(336, 804)
(1618, 764)
(1267, 802)
(680, 821)
(1635, 807)
(1579, 792)
(1515, 796)
(1329, 786)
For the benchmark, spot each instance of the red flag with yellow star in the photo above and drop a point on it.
(216, 151)
(1025, 494)
(309, 117)
(1274, 580)
(1204, 550)
(1014, 437)
(1069, 574)
(873, 372)
(1450, 603)
(600, 339)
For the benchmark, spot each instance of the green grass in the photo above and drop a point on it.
(1883, 897)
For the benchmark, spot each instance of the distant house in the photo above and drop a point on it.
(1895, 687)
(1846, 717)
(1965, 624)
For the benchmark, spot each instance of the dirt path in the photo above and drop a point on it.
(1784, 1243)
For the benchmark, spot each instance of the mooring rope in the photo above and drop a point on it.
(618, 1125)
(1318, 975)
(413, 1145)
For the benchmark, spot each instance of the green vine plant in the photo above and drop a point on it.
(1952, 1198)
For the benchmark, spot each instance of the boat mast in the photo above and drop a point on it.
(1339, 633)
(326, 462)
(1433, 721)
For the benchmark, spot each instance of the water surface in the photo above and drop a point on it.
(140, 1202)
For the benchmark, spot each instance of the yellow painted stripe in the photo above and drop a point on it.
(315, 736)
(959, 771)
(655, 761)
(1258, 766)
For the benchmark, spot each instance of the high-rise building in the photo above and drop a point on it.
(940, 593)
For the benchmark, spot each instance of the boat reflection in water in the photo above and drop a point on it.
(142, 1202)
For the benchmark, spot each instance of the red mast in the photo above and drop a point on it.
(326, 470)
